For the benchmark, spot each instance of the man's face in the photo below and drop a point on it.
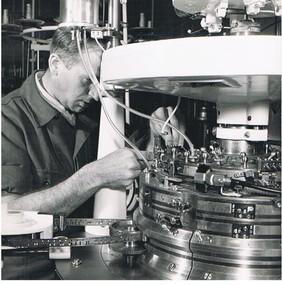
(76, 87)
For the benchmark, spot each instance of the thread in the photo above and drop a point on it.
(28, 11)
(142, 20)
(5, 16)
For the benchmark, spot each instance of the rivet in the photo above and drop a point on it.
(76, 262)
(171, 266)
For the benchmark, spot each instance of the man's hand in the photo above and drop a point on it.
(119, 168)
(170, 136)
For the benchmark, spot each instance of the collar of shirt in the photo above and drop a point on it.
(71, 118)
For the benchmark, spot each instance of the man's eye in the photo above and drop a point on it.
(86, 81)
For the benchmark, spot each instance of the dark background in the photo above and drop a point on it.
(166, 24)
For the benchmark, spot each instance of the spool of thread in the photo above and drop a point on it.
(5, 16)
(28, 11)
(142, 20)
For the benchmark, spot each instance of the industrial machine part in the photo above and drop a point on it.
(208, 213)
(215, 215)
(212, 12)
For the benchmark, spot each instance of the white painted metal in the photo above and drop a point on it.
(217, 69)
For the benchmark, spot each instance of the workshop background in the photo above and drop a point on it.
(201, 212)
(21, 55)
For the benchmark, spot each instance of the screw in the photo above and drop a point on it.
(171, 267)
(220, 180)
(199, 236)
(209, 239)
(247, 134)
(76, 262)
(207, 276)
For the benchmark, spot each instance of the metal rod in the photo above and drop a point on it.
(32, 51)
(124, 22)
(116, 20)
(33, 9)
(127, 103)
(104, 13)
(110, 12)
(153, 11)
(96, 12)
(23, 49)
(23, 7)
(27, 61)
(37, 59)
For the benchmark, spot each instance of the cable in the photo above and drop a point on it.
(94, 79)
(119, 132)
(99, 44)
(153, 119)
(101, 88)
(170, 116)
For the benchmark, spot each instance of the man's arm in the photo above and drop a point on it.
(117, 170)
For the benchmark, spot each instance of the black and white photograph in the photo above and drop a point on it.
(141, 140)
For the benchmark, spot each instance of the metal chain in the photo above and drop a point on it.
(17, 242)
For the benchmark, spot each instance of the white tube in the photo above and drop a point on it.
(110, 203)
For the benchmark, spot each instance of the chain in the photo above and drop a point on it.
(92, 222)
(60, 222)
(18, 243)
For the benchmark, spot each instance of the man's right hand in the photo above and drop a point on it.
(118, 169)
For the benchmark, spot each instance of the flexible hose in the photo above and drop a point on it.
(100, 88)
(170, 116)
(94, 79)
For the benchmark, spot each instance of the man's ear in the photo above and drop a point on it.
(55, 64)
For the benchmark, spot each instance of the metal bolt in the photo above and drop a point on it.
(247, 134)
(147, 175)
(220, 180)
(199, 236)
(207, 276)
(209, 239)
(76, 262)
(174, 187)
(166, 182)
(171, 267)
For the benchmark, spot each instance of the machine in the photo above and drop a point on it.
(205, 213)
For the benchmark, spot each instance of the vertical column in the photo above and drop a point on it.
(110, 203)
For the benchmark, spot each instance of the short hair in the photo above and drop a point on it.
(64, 44)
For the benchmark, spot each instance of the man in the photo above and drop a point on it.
(46, 139)
(49, 143)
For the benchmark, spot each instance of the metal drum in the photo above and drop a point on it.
(197, 235)
(78, 12)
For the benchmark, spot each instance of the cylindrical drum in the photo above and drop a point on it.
(207, 235)
(76, 12)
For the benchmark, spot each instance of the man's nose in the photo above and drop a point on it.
(93, 92)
